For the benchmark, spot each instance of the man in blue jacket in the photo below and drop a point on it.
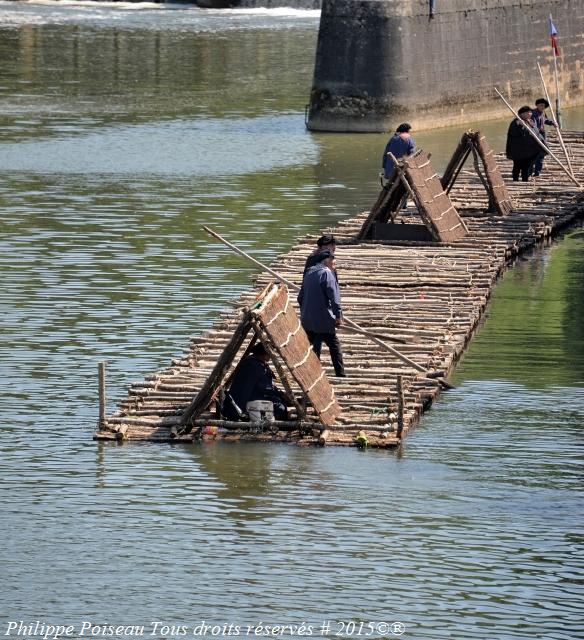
(400, 144)
(320, 308)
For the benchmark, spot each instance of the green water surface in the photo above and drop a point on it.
(125, 129)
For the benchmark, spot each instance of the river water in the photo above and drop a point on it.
(122, 131)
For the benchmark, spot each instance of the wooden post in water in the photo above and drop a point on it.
(400, 407)
(101, 376)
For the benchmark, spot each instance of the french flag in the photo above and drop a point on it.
(554, 37)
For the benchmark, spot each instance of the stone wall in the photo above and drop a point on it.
(379, 62)
(268, 4)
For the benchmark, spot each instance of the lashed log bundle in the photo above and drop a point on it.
(431, 295)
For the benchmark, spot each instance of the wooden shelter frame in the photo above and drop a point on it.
(269, 319)
(414, 176)
(476, 143)
(402, 182)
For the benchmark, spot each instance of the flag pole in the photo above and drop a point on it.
(534, 135)
(554, 116)
(556, 53)
(558, 107)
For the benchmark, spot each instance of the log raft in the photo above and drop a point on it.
(431, 296)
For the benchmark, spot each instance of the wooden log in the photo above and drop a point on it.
(371, 334)
(102, 399)
(121, 432)
(278, 425)
(400, 407)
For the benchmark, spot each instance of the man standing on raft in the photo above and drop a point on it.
(522, 147)
(320, 308)
(400, 144)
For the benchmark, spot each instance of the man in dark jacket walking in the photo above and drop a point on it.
(522, 147)
(320, 309)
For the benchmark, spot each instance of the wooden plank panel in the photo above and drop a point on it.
(499, 193)
(434, 204)
(278, 319)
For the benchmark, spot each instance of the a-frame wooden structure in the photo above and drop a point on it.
(415, 177)
(475, 142)
(273, 321)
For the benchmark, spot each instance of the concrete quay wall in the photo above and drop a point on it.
(379, 62)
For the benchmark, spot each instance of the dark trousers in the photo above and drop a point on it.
(332, 342)
(523, 166)
(538, 166)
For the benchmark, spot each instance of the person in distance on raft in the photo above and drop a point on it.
(253, 380)
(324, 243)
(540, 119)
(320, 309)
(400, 144)
(522, 147)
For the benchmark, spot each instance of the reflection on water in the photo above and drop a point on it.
(179, 148)
(122, 132)
(110, 65)
(534, 321)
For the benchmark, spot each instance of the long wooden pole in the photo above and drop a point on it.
(372, 334)
(102, 400)
(557, 121)
(558, 107)
(295, 287)
(539, 142)
(400, 407)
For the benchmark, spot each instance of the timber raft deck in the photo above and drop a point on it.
(432, 295)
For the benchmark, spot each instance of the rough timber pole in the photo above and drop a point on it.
(558, 105)
(400, 407)
(557, 120)
(101, 377)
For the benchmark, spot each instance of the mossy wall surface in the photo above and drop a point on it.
(381, 61)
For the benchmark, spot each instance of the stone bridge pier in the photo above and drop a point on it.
(380, 62)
